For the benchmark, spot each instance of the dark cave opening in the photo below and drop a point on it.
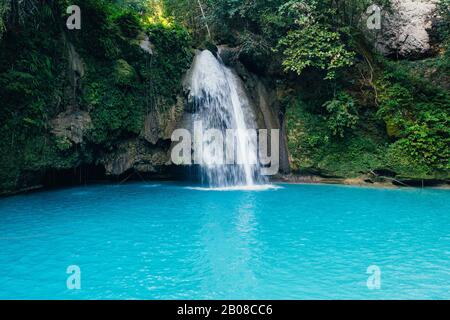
(82, 175)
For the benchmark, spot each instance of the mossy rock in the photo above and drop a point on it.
(392, 129)
(124, 74)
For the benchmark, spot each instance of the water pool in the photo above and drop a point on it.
(171, 241)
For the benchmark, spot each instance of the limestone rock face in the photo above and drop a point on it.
(120, 162)
(406, 28)
(148, 153)
(71, 125)
(268, 110)
(229, 55)
(159, 125)
(135, 154)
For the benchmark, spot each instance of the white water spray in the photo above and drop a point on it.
(220, 103)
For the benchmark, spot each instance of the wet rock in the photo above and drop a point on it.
(265, 104)
(75, 72)
(137, 155)
(228, 54)
(76, 64)
(159, 125)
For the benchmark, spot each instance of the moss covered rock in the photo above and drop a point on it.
(124, 74)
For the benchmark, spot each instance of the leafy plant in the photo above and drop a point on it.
(315, 46)
(341, 114)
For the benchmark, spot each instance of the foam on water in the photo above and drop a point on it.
(151, 186)
(259, 187)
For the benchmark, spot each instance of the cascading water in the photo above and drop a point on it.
(220, 103)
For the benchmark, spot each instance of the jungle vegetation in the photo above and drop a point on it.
(348, 109)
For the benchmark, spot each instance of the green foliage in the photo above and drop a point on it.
(124, 74)
(315, 46)
(63, 143)
(444, 11)
(349, 120)
(121, 82)
(419, 115)
(172, 58)
(99, 35)
(128, 23)
(32, 85)
(13, 12)
(311, 146)
(341, 114)
(5, 8)
(308, 33)
(111, 119)
(188, 13)
(306, 134)
(136, 80)
(141, 7)
(444, 31)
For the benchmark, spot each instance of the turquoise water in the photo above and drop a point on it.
(169, 241)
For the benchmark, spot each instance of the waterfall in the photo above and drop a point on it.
(220, 103)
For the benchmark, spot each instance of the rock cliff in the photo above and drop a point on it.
(407, 28)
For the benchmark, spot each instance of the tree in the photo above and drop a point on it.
(315, 46)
